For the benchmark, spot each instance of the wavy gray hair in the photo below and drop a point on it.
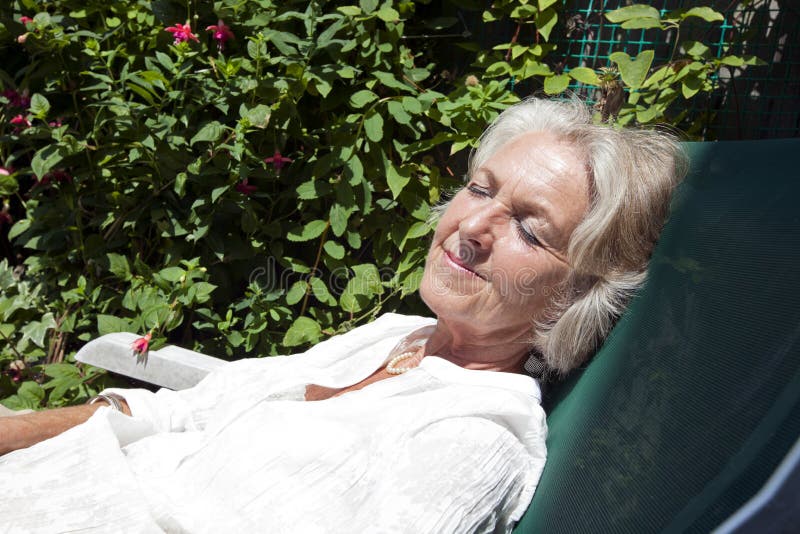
(632, 174)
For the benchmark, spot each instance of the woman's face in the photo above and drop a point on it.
(499, 249)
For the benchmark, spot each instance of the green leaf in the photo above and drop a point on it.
(705, 13)
(398, 112)
(418, 229)
(690, 86)
(296, 292)
(585, 75)
(313, 189)
(636, 11)
(556, 84)
(210, 132)
(218, 192)
(544, 4)
(45, 159)
(695, 48)
(368, 6)
(8, 185)
(397, 179)
(338, 217)
(388, 14)
(641, 23)
(633, 72)
(545, 22)
(303, 330)
(257, 116)
(118, 264)
(172, 274)
(39, 106)
(109, 324)
(308, 232)
(373, 126)
(29, 396)
(19, 227)
(36, 330)
(359, 99)
(334, 249)
(165, 61)
(320, 291)
(350, 11)
(388, 79)
(412, 105)
(733, 61)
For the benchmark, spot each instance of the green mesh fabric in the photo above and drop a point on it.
(695, 397)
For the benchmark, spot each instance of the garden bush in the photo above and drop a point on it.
(245, 178)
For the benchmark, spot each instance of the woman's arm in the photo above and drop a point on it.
(21, 431)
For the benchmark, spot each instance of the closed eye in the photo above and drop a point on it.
(478, 191)
(526, 236)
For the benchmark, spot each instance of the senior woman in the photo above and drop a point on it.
(407, 424)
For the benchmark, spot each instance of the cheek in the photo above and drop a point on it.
(529, 279)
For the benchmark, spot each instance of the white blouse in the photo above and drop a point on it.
(437, 449)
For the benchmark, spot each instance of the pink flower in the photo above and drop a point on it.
(25, 20)
(142, 345)
(5, 172)
(245, 188)
(182, 33)
(54, 124)
(221, 33)
(277, 161)
(20, 122)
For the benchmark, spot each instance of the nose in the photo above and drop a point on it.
(477, 232)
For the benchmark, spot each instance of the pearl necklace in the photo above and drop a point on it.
(392, 367)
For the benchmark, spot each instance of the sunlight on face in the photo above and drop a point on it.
(499, 250)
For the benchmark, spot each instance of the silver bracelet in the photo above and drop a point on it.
(113, 400)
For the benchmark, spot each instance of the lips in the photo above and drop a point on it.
(459, 265)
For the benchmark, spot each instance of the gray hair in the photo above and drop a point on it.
(632, 174)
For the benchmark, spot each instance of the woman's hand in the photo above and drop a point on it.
(21, 431)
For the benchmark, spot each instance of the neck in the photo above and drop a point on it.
(467, 348)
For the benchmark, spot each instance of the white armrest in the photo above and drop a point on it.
(170, 367)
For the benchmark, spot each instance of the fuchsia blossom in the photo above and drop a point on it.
(5, 172)
(221, 33)
(182, 33)
(17, 100)
(245, 188)
(142, 345)
(5, 217)
(20, 122)
(25, 20)
(278, 161)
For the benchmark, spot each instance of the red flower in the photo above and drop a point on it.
(142, 345)
(182, 33)
(277, 161)
(20, 120)
(245, 188)
(221, 33)
(25, 20)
